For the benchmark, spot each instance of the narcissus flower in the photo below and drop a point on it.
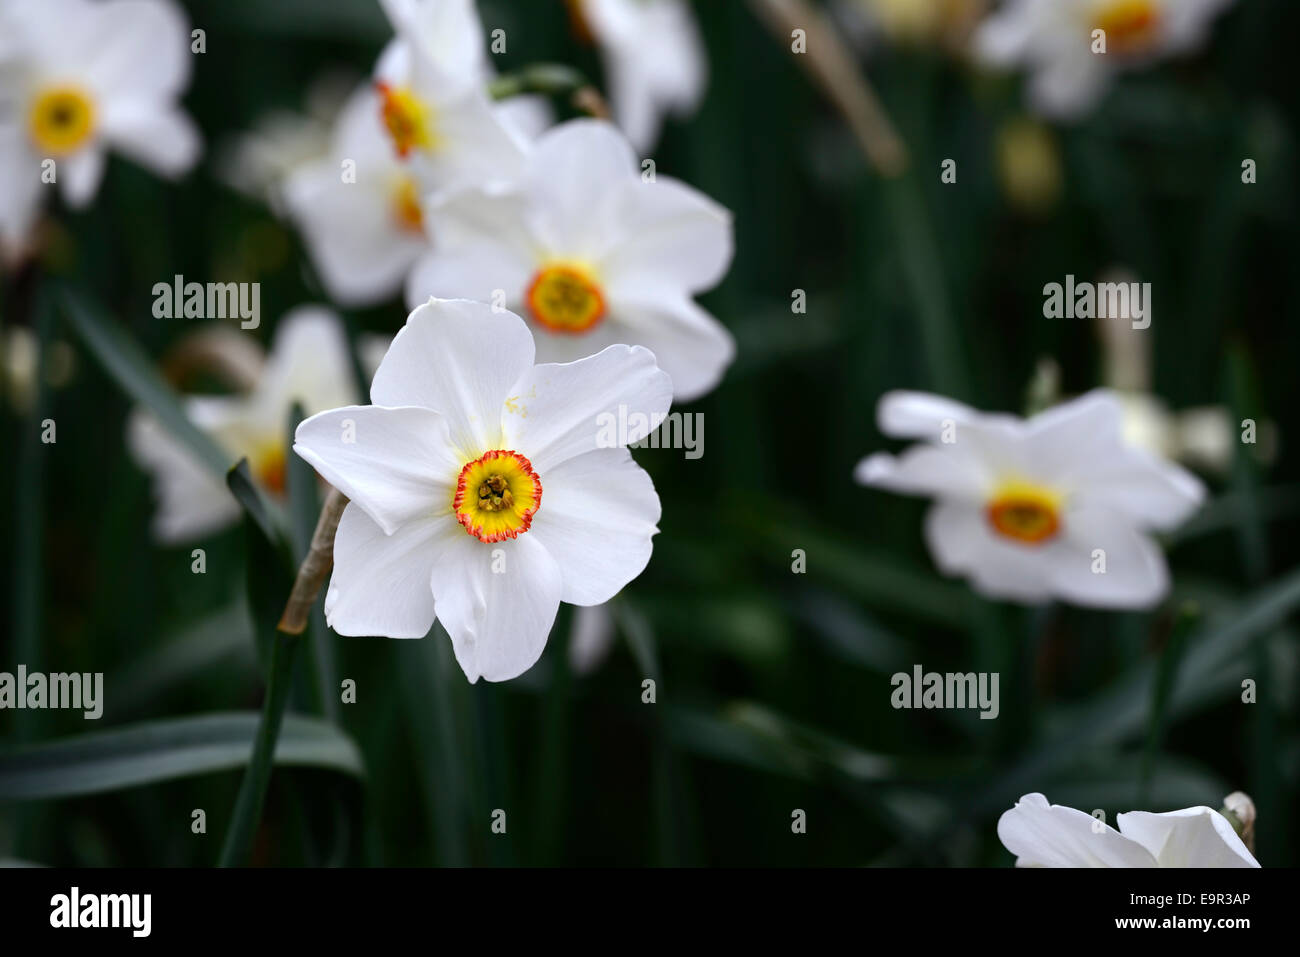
(1053, 39)
(86, 77)
(432, 100)
(308, 363)
(479, 492)
(1054, 506)
(1050, 835)
(653, 58)
(360, 208)
(591, 254)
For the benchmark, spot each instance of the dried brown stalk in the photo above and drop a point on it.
(315, 567)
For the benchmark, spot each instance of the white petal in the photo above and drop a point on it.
(573, 165)
(1003, 38)
(526, 116)
(461, 359)
(160, 138)
(1192, 837)
(1067, 86)
(669, 236)
(557, 412)
(361, 254)
(1043, 835)
(1079, 446)
(141, 49)
(448, 33)
(919, 415)
(20, 200)
(497, 602)
(80, 174)
(963, 543)
(309, 363)
(395, 463)
(940, 470)
(474, 146)
(482, 243)
(1070, 436)
(192, 502)
(689, 344)
(380, 584)
(597, 517)
(1135, 572)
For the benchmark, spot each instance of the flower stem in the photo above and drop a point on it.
(315, 567)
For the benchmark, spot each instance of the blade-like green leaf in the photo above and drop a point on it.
(131, 369)
(163, 750)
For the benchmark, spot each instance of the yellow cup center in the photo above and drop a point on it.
(408, 119)
(61, 119)
(1131, 25)
(564, 297)
(497, 495)
(1025, 513)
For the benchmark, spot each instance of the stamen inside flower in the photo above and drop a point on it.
(407, 210)
(61, 120)
(564, 297)
(1027, 513)
(409, 119)
(1131, 25)
(497, 495)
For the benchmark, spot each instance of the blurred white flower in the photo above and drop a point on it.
(87, 77)
(308, 363)
(478, 492)
(1057, 505)
(432, 97)
(1053, 40)
(257, 162)
(654, 60)
(359, 208)
(591, 254)
(1051, 835)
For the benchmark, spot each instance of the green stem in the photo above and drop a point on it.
(252, 790)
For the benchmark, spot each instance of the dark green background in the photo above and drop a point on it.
(773, 688)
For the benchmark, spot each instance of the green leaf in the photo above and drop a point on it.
(186, 654)
(156, 751)
(132, 370)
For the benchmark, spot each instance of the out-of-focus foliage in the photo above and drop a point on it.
(773, 688)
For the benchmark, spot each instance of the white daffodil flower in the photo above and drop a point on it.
(360, 208)
(653, 57)
(1055, 506)
(1054, 40)
(85, 78)
(308, 363)
(480, 493)
(433, 101)
(591, 254)
(1050, 835)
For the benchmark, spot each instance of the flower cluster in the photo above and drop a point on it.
(82, 78)
(429, 185)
